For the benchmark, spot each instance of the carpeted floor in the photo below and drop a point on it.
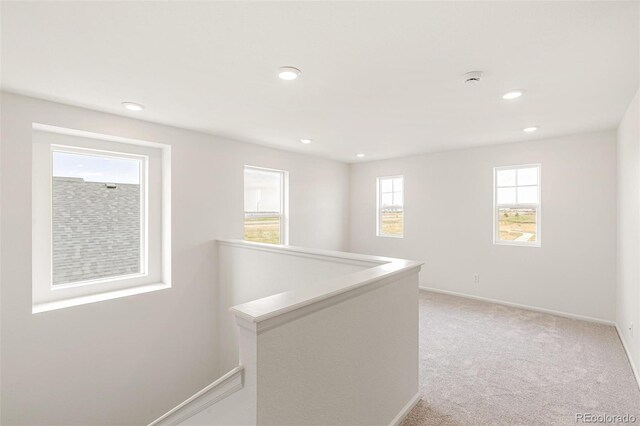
(488, 364)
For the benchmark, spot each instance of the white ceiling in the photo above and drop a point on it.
(382, 78)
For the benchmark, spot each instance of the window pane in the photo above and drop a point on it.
(386, 185)
(528, 176)
(506, 196)
(262, 228)
(96, 168)
(392, 221)
(397, 184)
(262, 205)
(517, 225)
(528, 195)
(398, 198)
(262, 191)
(96, 209)
(506, 178)
(386, 200)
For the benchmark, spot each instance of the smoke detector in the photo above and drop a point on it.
(473, 77)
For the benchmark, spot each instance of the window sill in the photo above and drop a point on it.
(516, 244)
(76, 301)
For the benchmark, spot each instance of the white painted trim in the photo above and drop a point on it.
(285, 307)
(327, 292)
(331, 255)
(405, 410)
(284, 199)
(521, 306)
(143, 161)
(538, 206)
(629, 357)
(100, 136)
(379, 270)
(157, 254)
(83, 300)
(379, 200)
(215, 392)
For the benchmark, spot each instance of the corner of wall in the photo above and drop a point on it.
(628, 233)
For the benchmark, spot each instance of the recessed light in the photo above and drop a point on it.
(289, 73)
(360, 155)
(306, 141)
(133, 106)
(530, 129)
(513, 94)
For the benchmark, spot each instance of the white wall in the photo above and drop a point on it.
(628, 288)
(449, 223)
(129, 360)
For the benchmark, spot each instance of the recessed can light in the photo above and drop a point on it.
(306, 141)
(513, 94)
(530, 129)
(289, 73)
(133, 106)
(360, 155)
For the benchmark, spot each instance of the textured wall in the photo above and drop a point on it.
(96, 230)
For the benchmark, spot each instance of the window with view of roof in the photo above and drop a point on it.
(101, 211)
(97, 215)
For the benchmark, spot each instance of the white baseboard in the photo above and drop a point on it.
(626, 350)
(518, 305)
(405, 410)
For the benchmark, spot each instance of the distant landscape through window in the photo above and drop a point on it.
(517, 198)
(391, 206)
(264, 205)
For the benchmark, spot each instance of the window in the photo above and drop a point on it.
(390, 210)
(265, 205)
(100, 217)
(517, 205)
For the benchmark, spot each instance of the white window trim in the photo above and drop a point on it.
(144, 207)
(157, 249)
(284, 201)
(379, 232)
(538, 207)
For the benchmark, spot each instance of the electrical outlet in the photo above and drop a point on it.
(476, 278)
(631, 329)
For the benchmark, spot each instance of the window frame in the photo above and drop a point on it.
(379, 180)
(284, 202)
(144, 206)
(537, 206)
(155, 217)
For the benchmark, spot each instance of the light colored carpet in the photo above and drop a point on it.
(487, 364)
